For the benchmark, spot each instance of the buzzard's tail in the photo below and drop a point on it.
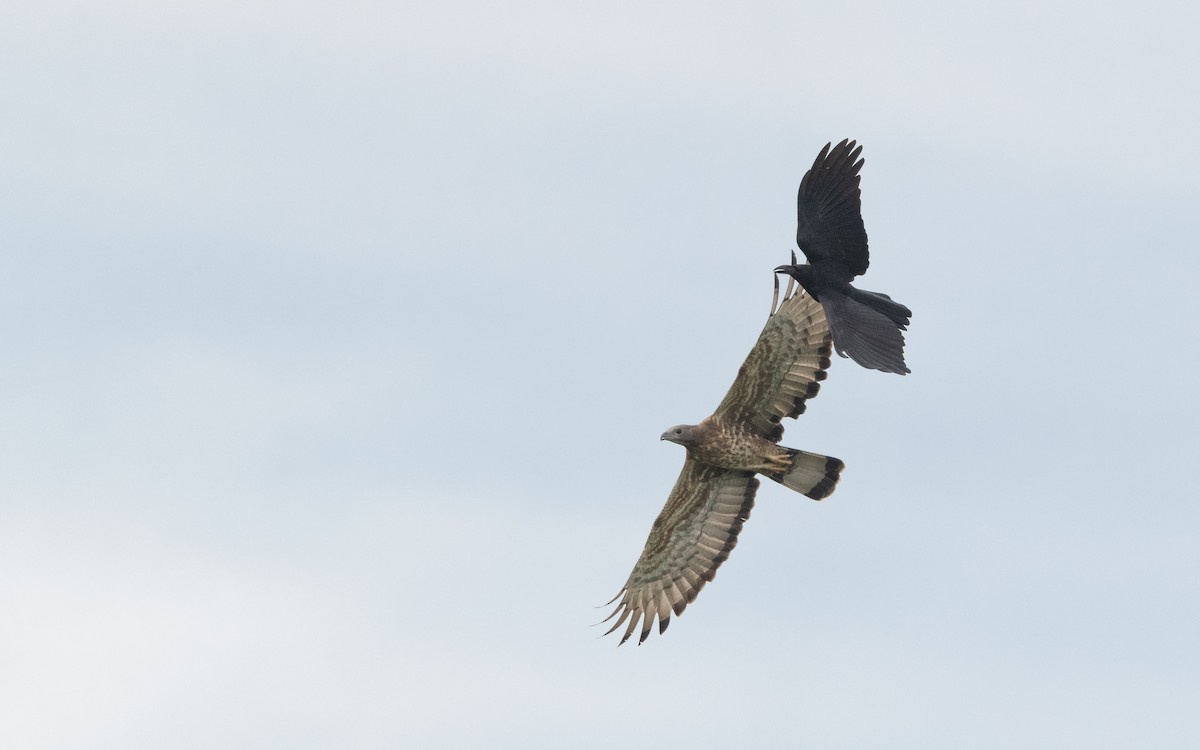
(811, 474)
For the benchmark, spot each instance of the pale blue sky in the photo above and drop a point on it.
(337, 341)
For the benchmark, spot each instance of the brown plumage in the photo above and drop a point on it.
(699, 525)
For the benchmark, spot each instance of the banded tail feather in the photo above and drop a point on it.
(811, 474)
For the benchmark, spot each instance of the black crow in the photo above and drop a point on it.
(866, 326)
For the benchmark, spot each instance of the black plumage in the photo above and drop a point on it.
(866, 326)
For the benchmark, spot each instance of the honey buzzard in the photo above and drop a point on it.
(699, 525)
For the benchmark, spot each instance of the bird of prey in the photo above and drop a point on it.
(829, 229)
(698, 527)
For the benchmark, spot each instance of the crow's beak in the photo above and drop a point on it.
(783, 269)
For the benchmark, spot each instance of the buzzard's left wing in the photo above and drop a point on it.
(783, 370)
(691, 537)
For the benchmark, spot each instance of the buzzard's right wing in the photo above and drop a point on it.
(691, 537)
(783, 370)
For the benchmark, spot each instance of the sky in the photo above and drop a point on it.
(337, 340)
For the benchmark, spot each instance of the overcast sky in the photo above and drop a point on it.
(336, 340)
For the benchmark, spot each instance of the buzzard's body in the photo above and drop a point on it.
(866, 326)
(713, 496)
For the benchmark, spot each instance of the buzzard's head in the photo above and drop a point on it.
(681, 433)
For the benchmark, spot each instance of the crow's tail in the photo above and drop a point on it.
(898, 313)
(867, 328)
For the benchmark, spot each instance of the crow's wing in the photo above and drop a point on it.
(829, 225)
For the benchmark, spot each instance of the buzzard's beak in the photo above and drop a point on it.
(783, 269)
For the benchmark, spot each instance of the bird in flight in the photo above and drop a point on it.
(866, 326)
(698, 527)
